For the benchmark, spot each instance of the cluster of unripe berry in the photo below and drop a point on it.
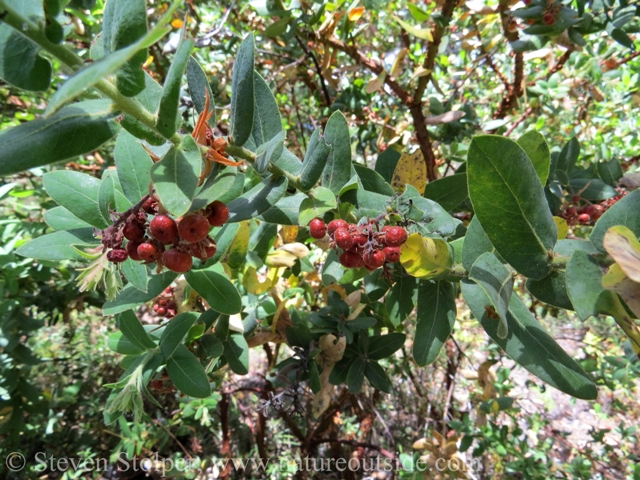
(363, 245)
(588, 214)
(164, 304)
(163, 240)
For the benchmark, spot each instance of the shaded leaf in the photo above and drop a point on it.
(242, 92)
(435, 319)
(187, 374)
(534, 144)
(337, 170)
(216, 288)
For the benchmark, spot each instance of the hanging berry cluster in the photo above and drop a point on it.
(587, 214)
(164, 304)
(363, 245)
(163, 240)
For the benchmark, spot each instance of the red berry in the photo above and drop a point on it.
(117, 255)
(317, 228)
(374, 259)
(132, 250)
(150, 206)
(575, 199)
(217, 213)
(147, 252)
(570, 211)
(391, 254)
(161, 311)
(359, 239)
(395, 236)
(133, 231)
(334, 225)
(164, 229)
(343, 238)
(157, 384)
(177, 261)
(597, 212)
(584, 218)
(202, 252)
(351, 260)
(548, 19)
(193, 228)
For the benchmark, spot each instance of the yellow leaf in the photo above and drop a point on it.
(280, 258)
(355, 13)
(410, 169)
(423, 33)
(237, 253)
(376, 83)
(289, 233)
(426, 258)
(563, 227)
(252, 283)
(622, 244)
(398, 62)
(177, 23)
(148, 61)
(617, 281)
(338, 288)
(298, 250)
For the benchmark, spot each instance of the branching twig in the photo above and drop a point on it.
(323, 83)
(521, 119)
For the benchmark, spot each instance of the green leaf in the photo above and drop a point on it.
(423, 33)
(78, 193)
(124, 23)
(509, 200)
(176, 176)
(529, 345)
(131, 297)
(242, 93)
(534, 144)
(337, 170)
(120, 344)
(368, 204)
(268, 152)
(383, 346)
(475, 244)
(20, 63)
(75, 130)
(610, 171)
(584, 285)
(59, 218)
(372, 180)
(449, 192)
(187, 374)
(332, 271)
(107, 196)
(314, 377)
(430, 216)
(565, 248)
(551, 290)
(355, 378)
(133, 164)
(149, 98)
(592, 189)
(401, 299)
(377, 377)
(315, 160)
(198, 85)
(568, 156)
(236, 351)
(168, 119)
(92, 74)
(623, 212)
(319, 201)
(216, 288)
(257, 200)
(136, 274)
(267, 123)
(386, 163)
(215, 186)
(285, 211)
(622, 38)
(497, 284)
(175, 332)
(224, 239)
(58, 245)
(133, 330)
(435, 319)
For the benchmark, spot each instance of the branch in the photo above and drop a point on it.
(521, 119)
(323, 84)
(514, 91)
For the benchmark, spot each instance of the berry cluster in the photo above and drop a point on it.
(363, 245)
(588, 214)
(163, 240)
(164, 304)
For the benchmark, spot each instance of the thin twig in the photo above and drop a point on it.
(182, 447)
(323, 83)
(521, 119)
